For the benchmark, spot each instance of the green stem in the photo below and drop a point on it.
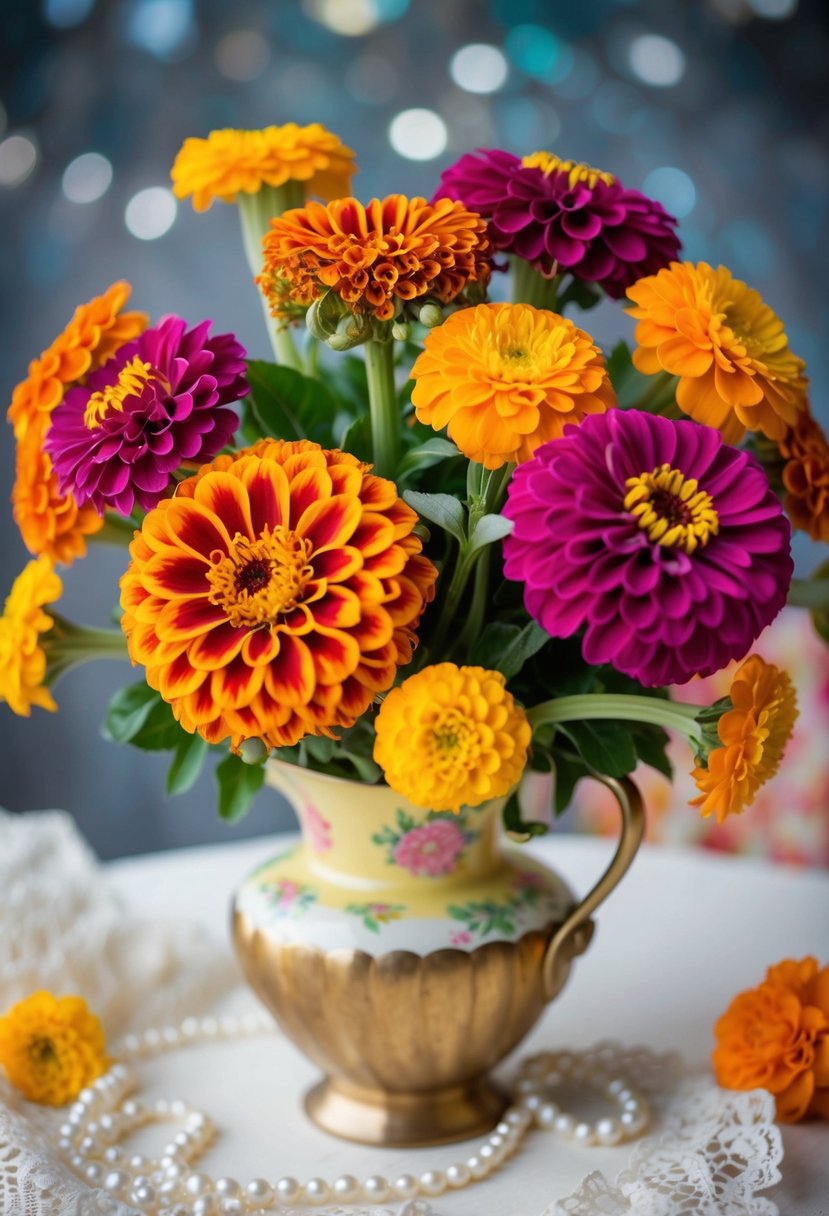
(809, 593)
(383, 408)
(619, 707)
(68, 645)
(529, 286)
(116, 530)
(255, 213)
(660, 395)
(477, 609)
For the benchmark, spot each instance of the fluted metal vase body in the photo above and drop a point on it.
(406, 952)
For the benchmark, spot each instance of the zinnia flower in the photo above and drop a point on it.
(52, 1047)
(22, 659)
(374, 258)
(666, 545)
(776, 1037)
(120, 436)
(50, 522)
(806, 477)
(505, 378)
(276, 594)
(229, 163)
(561, 216)
(729, 349)
(753, 734)
(451, 736)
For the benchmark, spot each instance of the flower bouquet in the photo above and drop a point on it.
(443, 541)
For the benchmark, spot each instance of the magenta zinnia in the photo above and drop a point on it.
(663, 543)
(565, 217)
(161, 400)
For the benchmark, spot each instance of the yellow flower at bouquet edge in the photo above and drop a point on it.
(451, 736)
(22, 658)
(52, 1047)
(776, 1037)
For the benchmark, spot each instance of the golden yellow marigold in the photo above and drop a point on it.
(375, 258)
(451, 736)
(229, 163)
(806, 477)
(22, 659)
(505, 378)
(52, 1047)
(753, 735)
(776, 1037)
(276, 594)
(730, 351)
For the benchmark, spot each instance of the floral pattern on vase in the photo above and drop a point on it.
(318, 829)
(504, 917)
(373, 915)
(430, 849)
(286, 899)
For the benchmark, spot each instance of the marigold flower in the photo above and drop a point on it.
(229, 163)
(776, 1037)
(561, 216)
(451, 736)
(729, 349)
(374, 258)
(506, 378)
(276, 594)
(22, 660)
(52, 1047)
(753, 734)
(50, 522)
(119, 437)
(806, 477)
(665, 543)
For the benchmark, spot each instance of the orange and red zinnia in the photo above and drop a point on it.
(375, 258)
(276, 594)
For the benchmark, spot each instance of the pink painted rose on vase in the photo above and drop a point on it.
(429, 849)
(318, 829)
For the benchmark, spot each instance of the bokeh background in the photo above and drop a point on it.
(717, 108)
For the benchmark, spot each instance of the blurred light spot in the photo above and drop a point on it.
(150, 213)
(418, 134)
(391, 10)
(18, 157)
(479, 68)
(87, 178)
(582, 78)
(673, 188)
(63, 14)
(773, 10)
(352, 18)
(656, 60)
(527, 123)
(618, 108)
(538, 52)
(164, 28)
(242, 55)
(372, 79)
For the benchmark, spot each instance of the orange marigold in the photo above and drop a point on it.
(50, 523)
(806, 477)
(776, 1037)
(505, 378)
(730, 351)
(52, 1047)
(754, 734)
(376, 257)
(229, 163)
(276, 594)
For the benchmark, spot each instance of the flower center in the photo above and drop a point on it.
(452, 742)
(549, 163)
(671, 508)
(257, 581)
(42, 1052)
(130, 383)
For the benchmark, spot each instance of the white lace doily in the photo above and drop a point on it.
(61, 928)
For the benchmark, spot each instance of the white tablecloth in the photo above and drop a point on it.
(677, 940)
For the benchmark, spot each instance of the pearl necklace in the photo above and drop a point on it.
(105, 1114)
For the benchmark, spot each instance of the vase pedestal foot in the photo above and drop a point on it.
(406, 1120)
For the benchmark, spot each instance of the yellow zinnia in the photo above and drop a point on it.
(229, 163)
(52, 1047)
(451, 736)
(505, 378)
(730, 351)
(22, 659)
(753, 734)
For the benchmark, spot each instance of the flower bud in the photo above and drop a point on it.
(431, 315)
(400, 331)
(253, 751)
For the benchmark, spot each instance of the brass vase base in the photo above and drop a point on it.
(406, 1120)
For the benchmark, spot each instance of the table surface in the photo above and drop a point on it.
(679, 938)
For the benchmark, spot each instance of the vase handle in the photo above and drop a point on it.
(573, 937)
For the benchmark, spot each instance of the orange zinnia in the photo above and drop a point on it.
(505, 378)
(806, 477)
(276, 594)
(730, 351)
(776, 1037)
(50, 523)
(374, 258)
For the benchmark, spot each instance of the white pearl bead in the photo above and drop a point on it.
(531, 1102)
(376, 1188)
(564, 1124)
(583, 1133)
(114, 1155)
(608, 1131)
(260, 1192)
(142, 1197)
(170, 1036)
(458, 1175)
(198, 1184)
(94, 1173)
(405, 1187)
(487, 1153)
(67, 1129)
(87, 1097)
(131, 1044)
(78, 1163)
(116, 1181)
(316, 1190)
(210, 1027)
(547, 1114)
(190, 1028)
(346, 1187)
(496, 1140)
(227, 1188)
(517, 1117)
(478, 1167)
(233, 1207)
(433, 1182)
(288, 1189)
(206, 1205)
(633, 1121)
(65, 1144)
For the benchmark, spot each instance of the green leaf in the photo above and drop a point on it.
(160, 732)
(440, 509)
(187, 763)
(650, 743)
(605, 747)
(506, 648)
(238, 784)
(569, 771)
(356, 439)
(427, 454)
(514, 823)
(284, 404)
(488, 530)
(128, 710)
